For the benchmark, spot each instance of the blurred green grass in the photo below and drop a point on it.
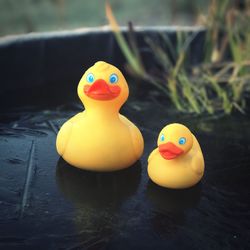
(219, 83)
(24, 16)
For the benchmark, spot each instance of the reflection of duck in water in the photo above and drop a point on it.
(96, 196)
(173, 200)
(169, 206)
(95, 188)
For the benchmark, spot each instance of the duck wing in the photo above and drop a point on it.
(136, 136)
(64, 133)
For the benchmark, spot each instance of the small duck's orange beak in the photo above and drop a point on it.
(169, 151)
(100, 90)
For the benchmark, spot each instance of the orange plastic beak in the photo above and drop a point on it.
(169, 151)
(100, 90)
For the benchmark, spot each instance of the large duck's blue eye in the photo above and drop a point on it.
(182, 140)
(162, 137)
(113, 78)
(90, 78)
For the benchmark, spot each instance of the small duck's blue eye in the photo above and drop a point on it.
(113, 78)
(162, 137)
(182, 140)
(90, 78)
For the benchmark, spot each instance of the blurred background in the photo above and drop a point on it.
(24, 16)
(217, 80)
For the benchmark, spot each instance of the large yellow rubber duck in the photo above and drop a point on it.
(178, 161)
(99, 138)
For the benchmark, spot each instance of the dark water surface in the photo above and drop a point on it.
(47, 204)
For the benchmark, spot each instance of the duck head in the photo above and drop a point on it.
(103, 85)
(174, 140)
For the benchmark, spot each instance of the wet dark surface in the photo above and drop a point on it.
(47, 204)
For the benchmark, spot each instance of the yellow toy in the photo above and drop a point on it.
(178, 161)
(99, 138)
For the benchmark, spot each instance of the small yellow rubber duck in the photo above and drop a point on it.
(99, 138)
(178, 161)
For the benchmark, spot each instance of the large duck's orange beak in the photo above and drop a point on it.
(100, 90)
(169, 151)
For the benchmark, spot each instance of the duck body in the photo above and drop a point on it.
(100, 138)
(172, 165)
(100, 144)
